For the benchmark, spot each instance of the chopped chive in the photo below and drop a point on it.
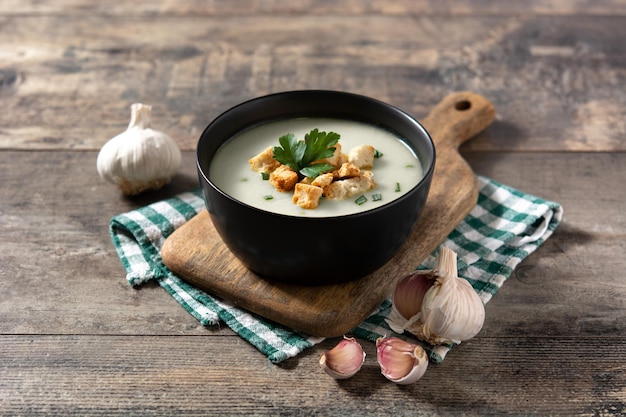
(410, 166)
(377, 153)
(268, 197)
(362, 199)
(265, 176)
(397, 187)
(377, 197)
(244, 179)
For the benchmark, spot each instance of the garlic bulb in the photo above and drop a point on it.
(344, 360)
(437, 306)
(139, 158)
(400, 361)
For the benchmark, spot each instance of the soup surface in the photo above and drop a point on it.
(395, 172)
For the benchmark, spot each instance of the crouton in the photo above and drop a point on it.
(362, 156)
(283, 178)
(336, 160)
(307, 196)
(323, 180)
(264, 162)
(347, 170)
(342, 189)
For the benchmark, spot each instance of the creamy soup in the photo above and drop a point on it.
(395, 172)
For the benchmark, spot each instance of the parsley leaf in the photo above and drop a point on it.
(290, 151)
(314, 170)
(318, 146)
(299, 155)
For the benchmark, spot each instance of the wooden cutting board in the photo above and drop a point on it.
(196, 253)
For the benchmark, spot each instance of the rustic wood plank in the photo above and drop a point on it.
(552, 79)
(549, 292)
(75, 339)
(61, 273)
(59, 269)
(254, 7)
(122, 375)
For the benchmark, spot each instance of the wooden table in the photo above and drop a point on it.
(76, 339)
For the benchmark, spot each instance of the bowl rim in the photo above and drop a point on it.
(427, 173)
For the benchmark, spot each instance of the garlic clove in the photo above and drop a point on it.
(407, 300)
(140, 158)
(408, 294)
(400, 361)
(344, 360)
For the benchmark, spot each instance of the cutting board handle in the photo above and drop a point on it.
(457, 118)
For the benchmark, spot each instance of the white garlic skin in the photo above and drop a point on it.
(140, 158)
(450, 310)
(344, 360)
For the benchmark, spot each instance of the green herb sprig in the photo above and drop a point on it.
(299, 155)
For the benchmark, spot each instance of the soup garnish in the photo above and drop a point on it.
(396, 173)
(301, 155)
(316, 168)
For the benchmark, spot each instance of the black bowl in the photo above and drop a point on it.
(337, 249)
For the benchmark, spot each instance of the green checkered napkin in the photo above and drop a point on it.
(504, 227)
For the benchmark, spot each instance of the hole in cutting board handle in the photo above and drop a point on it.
(463, 105)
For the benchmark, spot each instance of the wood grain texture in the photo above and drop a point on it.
(58, 267)
(196, 253)
(117, 375)
(558, 322)
(315, 7)
(62, 276)
(554, 79)
(76, 339)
